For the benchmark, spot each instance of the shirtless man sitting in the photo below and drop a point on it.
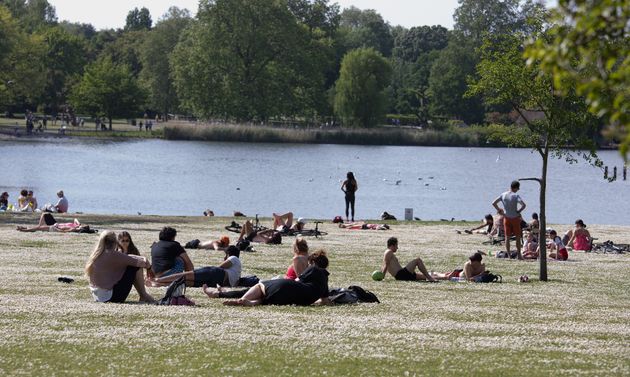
(473, 267)
(391, 265)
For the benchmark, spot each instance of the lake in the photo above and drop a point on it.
(184, 178)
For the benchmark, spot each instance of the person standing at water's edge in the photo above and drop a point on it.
(512, 218)
(349, 187)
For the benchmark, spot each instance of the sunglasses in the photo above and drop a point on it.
(125, 240)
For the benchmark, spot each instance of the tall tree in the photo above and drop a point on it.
(419, 40)
(589, 49)
(448, 82)
(246, 59)
(359, 98)
(108, 89)
(155, 52)
(22, 75)
(504, 78)
(138, 19)
(32, 14)
(65, 59)
(364, 28)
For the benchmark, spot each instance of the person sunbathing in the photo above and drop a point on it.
(472, 268)
(311, 287)
(267, 236)
(47, 223)
(284, 222)
(363, 225)
(392, 265)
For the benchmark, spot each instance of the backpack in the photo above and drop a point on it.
(343, 296)
(194, 244)
(243, 244)
(363, 294)
(86, 229)
(175, 294)
(488, 277)
(337, 219)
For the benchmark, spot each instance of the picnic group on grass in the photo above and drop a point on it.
(116, 265)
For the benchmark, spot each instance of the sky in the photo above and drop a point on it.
(105, 14)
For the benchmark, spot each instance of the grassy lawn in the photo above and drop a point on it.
(578, 323)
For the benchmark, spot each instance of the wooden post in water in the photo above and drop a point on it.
(605, 172)
(624, 172)
(614, 178)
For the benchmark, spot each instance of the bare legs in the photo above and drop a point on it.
(411, 267)
(285, 219)
(166, 280)
(138, 283)
(252, 297)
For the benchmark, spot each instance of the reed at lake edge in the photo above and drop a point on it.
(470, 137)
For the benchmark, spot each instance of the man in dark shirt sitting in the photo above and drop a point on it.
(168, 256)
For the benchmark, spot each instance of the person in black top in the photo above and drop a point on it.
(310, 287)
(349, 187)
(168, 256)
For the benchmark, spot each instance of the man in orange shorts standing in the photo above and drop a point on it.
(512, 216)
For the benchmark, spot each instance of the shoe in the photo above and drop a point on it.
(64, 279)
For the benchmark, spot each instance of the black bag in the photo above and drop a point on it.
(488, 277)
(243, 244)
(175, 294)
(343, 296)
(364, 294)
(194, 244)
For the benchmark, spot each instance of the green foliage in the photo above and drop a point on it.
(364, 28)
(250, 60)
(154, 53)
(65, 59)
(411, 44)
(588, 50)
(138, 19)
(448, 82)
(359, 96)
(108, 89)
(32, 14)
(125, 49)
(22, 75)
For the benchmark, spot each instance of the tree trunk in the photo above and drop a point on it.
(542, 241)
(110, 122)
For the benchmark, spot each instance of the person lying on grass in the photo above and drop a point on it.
(112, 274)
(311, 287)
(392, 265)
(227, 274)
(472, 269)
(268, 236)
(363, 225)
(283, 222)
(47, 223)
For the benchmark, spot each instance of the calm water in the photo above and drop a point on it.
(184, 178)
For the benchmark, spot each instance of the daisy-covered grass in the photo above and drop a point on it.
(577, 323)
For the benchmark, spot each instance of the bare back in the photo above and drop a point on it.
(391, 263)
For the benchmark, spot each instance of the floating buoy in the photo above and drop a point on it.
(238, 188)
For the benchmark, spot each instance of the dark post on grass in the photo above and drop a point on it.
(542, 273)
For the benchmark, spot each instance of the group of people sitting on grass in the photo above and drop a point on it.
(27, 202)
(115, 266)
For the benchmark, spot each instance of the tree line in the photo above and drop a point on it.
(259, 60)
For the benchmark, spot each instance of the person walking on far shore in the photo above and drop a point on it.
(349, 187)
(512, 219)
